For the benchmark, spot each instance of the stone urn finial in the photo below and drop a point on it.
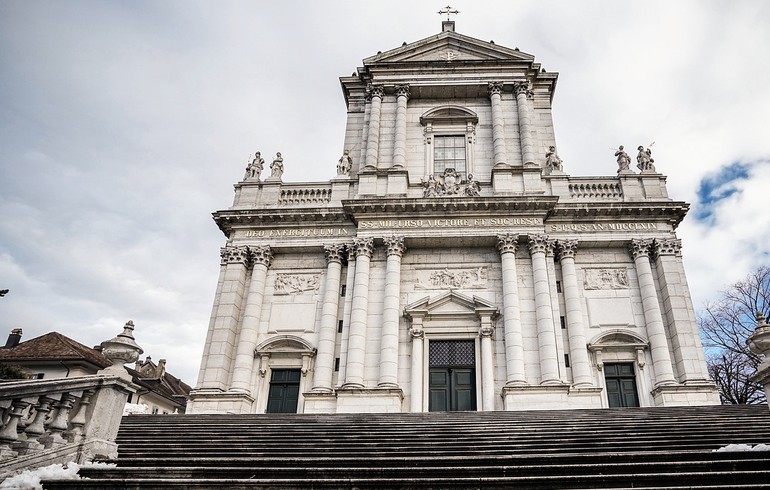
(121, 349)
(759, 341)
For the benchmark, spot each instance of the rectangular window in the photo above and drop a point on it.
(449, 152)
(339, 326)
(343, 290)
(563, 322)
(558, 286)
(566, 360)
(336, 364)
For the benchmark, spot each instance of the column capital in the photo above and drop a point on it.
(363, 246)
(261, 254)
(334, 253)
(416, 332)
(486, 331)
(402, 91)
(375, 91)
(671, 246)
(495, 88)
(538, 243)
(234, 254)
(640, 247)
(567, 248)
(395, 245)
(507, 243)
(525, 88)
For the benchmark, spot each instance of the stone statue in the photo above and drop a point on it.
(552, 160)
(624, 161)
(255, 167)
(472, 187)
(644, 161)
(276, 168)
(431, 187)
(345, 164)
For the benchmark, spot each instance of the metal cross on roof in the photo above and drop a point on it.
(448, 10)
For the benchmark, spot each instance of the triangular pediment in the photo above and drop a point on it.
(450, 303)
(449, 47)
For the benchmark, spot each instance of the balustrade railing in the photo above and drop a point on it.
(67, 419)
(596, 190)
(309, 196)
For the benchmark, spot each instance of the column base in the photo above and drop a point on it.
(200, 401)
(677, 395)
(369, 400)
(550, 397)
(320, 402)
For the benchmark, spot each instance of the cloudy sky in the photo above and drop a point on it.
(123, 125)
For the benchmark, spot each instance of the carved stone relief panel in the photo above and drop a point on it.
(446, 278)
(605, 279)
(296, 283)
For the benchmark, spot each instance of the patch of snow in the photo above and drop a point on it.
(32, 479)
(739, 448)
(133, 408)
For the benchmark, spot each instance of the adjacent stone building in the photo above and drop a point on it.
(453, 263)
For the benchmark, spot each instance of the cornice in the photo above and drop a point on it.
(372, 207)
(672, 212)
(228, 220)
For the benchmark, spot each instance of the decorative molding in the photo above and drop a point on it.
(605, 279)
(296, 283)
(395, 245)
(538, 243)
(416, 332)
(507, 244)
(261, 255)
(469, 278)
(672, 246)
(567, 249)
(364, 246)
(640, 247)
(335, 253)
(234, 255)
(486, 331)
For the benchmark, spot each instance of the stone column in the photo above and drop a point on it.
(685, 337)
(373, 137)
(324, 361)
(656, 332)
(261, 257)
(498, 125)
(487, 365)
(390, 313)
(546, 339)
(418, 349)
(507, 245)
(578, 352)
(220, 348)
(522, 92)
(399, 147)
(354, 373)
(346, 312)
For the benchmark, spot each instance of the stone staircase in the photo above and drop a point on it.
(576, 449)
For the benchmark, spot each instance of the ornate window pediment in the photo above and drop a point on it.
(449, 115)
(451, 304)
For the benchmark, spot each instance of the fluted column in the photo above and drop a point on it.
(261, 257)
(546, 339)
(399, 146)
(324, 361)
(581, 365)
(220, 343)
(677, 303)
(656, 332)
(373, 137)
(507, 245)
(522, 92)
(364, 249)
(418, 352)
(487, 365)
(390, 313)
(498, 125)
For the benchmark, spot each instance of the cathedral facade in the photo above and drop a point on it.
(452, 263)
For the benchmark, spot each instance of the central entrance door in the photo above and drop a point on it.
(452, 377)
(284, 391)
(621, 385)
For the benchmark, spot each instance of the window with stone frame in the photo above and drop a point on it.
(449, 152)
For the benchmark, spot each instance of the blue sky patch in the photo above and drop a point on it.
(716, 187)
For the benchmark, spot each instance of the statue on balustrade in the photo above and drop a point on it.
(276, 168)
(345, 164)
(624, 161)
(254, 169)
(552, 160)
(644, 161)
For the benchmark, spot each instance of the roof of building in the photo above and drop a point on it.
(55, 347)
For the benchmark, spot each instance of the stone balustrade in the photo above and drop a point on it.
(60, 420)
(305, 196)
(596, 189)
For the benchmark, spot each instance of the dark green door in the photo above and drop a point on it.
(284, 391)
(621, 385)
(452, 376)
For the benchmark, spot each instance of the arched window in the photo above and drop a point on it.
(449, 138)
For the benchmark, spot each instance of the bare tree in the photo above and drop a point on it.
(725, 325)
